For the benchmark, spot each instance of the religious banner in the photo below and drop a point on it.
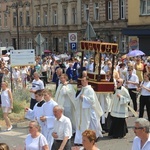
(133, 43)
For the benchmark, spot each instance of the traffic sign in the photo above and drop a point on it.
(39, 39)
(73, 46)
(72, 37)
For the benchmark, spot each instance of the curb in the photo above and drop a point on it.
(17, 125)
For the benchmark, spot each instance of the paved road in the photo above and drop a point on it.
(15, 138)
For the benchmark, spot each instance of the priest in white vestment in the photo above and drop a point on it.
(88, 112)
(119, 111)
(65, 96)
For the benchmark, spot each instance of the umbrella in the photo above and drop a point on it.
(56, 58)
(135, 53)
(62, 56)
(47, 51)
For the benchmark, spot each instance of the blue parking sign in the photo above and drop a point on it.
(73, 46)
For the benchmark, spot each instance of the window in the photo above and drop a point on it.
(123, 43)
(65, 16)
(109, 10)
(29, 43)
(145, 7)
(27, 18)
(86, 12)
(45, 18)
(46, 43)
(5, 20)
(74, 16)
(65, 44)
(38, 19)
(7, 43)
(14, 19)
(122, 9)
(96, 11)
(0, 20)
(55, 17)
(21, 19)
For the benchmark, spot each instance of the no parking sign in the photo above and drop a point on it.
(72, 37)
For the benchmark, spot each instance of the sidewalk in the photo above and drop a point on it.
(22, 124)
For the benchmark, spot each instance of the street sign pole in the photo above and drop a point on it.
(39, 39)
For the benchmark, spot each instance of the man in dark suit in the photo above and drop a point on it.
(59, 72)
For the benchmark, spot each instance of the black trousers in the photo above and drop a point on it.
(32, 103)
(45, 76)
(133, 97)
(57, 143)
(144, 101)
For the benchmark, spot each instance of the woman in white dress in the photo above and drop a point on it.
(35, 140)
(7, 103)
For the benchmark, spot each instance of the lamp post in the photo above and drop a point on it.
(15, 6)
(17, 17)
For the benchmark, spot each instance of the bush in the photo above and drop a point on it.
(18, 106)
(21, 95)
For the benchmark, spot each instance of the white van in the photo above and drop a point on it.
(5, 50)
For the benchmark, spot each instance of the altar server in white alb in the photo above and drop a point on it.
(37, 111)
(48, 117)
(119, 111)
(65, 96)
(88, 111)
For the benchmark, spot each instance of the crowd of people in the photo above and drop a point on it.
(82, 113)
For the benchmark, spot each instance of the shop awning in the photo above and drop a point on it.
(135, 32)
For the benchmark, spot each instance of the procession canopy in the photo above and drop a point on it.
(99, 47)
(96, 79)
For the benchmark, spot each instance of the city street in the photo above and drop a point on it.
(15, 138)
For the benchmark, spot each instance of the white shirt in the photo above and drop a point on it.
(90, 67)
(35, 143)
(16, 74)
(63, 127)
(37, 85)
(137, 144)
(145, 92)
(133, 78)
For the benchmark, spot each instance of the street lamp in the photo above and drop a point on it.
(16, 6)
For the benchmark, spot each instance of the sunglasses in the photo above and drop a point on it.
(137, 128)
(129, 70)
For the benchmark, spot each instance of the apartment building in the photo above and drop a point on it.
(55, 19)
(15, 22)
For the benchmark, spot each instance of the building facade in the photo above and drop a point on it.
(139, 24)
(55, 19)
